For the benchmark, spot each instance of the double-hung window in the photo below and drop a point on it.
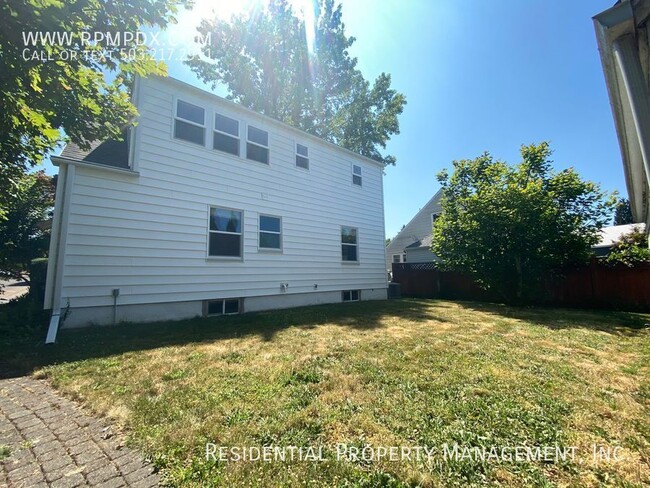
(270, 232)
(189, 123)
(226, 134)
(302, 156)
(225, 233)
(257, 145)
(356, 175)
(349, 244)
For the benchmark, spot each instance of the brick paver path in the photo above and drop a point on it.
(52, 442)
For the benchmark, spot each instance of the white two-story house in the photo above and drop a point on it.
(208, 208)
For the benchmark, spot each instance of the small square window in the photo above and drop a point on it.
(231, 307)
(215, 307)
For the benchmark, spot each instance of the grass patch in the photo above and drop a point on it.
(394, 373)
(5, 452)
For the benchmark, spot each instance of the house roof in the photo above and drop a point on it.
(109, 152)
(425, 242)
(609, 235)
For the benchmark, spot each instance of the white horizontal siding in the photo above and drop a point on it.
(147, 234)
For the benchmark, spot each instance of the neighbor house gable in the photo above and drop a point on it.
(418, 228)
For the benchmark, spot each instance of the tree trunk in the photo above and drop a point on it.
(520, 278)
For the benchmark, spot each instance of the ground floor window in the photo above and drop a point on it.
(351, 295)
(228, 306)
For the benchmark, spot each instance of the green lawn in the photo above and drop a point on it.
(394, 373)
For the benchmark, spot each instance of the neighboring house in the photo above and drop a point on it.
(622, 34)
(416, 231)
(420, 251)
(209, 208)
(610, 235)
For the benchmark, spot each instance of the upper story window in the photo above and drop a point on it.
(302, 156)
(349, 244)
(226, 134)
(356, 175)
(434, 217)
(189, 123)
(270, 232)
(225, 233)
(257, 145)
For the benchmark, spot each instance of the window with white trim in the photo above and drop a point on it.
(349, 244)
(350, 295)
(257, 145)
(404, 257)
(356, 175)
(302, 156)
(270, 232)
(229, 306)
(225, 233)
(396, 258)
(189, 123)
(226, 134)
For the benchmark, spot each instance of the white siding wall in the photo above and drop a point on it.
(147, 234)
(420, 226)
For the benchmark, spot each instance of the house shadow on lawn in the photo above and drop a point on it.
(29, 353)
(612, 322)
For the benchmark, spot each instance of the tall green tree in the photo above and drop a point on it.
(83, 94)
(510, 225)
(275, 63)
(623, 213)
(24, 234)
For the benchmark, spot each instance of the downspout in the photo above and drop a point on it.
(58, 246)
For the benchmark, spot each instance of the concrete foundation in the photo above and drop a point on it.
(157, 312)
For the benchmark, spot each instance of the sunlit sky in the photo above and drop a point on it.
(478, 76)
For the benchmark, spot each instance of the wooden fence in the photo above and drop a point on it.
(595, 285)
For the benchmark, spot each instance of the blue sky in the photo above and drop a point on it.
(478, 75)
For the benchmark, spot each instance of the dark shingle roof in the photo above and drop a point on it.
(109, 152)
(425, 242)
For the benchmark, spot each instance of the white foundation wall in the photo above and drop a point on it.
(145, 234)
(160, 312)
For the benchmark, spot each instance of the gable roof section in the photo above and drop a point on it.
(110, 153)
(417, 229)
